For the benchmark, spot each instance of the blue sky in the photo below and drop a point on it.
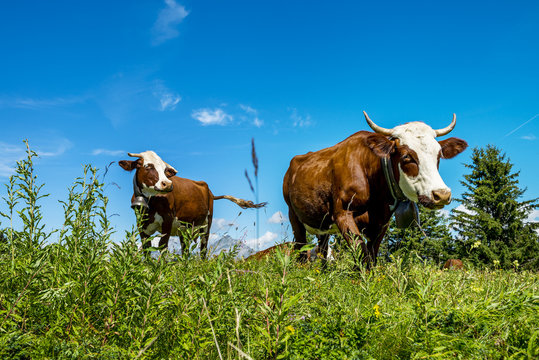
(196, 80)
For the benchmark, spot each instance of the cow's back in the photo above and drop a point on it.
(314, 179)
(192, 201)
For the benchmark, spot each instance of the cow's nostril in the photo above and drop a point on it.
(163, 184)
(441, 196)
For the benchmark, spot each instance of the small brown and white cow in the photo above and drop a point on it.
(169, 201)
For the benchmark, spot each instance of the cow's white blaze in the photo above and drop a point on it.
(163, 183)
(420, 137)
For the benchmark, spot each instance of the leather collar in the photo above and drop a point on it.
(394, 189)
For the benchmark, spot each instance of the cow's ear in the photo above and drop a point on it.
(452, 147)
(170, 171)
(129, 165)
(380, 144)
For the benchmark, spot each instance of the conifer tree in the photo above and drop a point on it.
(491, 221)
(431, 240)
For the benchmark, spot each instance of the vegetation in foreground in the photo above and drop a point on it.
(84, 296)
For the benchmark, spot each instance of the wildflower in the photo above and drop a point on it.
(496, 263)
(516, 264)
(291, 329)
(476, 244)
(377, 312)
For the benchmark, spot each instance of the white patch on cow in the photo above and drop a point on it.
(331, 231)
(155, 226)
(421, 138)
(163, 183)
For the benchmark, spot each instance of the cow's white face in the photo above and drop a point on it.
(415, 154)
(153, 174)
(419, 177)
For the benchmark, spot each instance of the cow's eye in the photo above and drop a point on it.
(406, 158)
(149, 166)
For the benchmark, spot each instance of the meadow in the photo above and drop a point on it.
(74, 293)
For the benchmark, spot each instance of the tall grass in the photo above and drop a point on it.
(74, 293)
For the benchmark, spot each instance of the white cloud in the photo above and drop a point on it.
(277, 218)
(530, 137)
(444, 212)
(13, 153)
(62, 146)
(262, 242)
(298, 120)
(211, 117)
(534, 216)
(257, 122)
(250, 111)
(29, 103)
(464, 209)
(108, 152)
(168, 19)
(10, 155)
(167, 99)
(219, 223)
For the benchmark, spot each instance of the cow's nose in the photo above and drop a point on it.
(441, 197)
(164, 184)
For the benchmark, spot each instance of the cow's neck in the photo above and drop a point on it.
(394, 189)
(406, 211)
(140, 199)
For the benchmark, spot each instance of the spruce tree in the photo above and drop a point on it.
(491, 223)
(431, 240)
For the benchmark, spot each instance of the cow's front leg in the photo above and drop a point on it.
(146, 243)
(374, 246)
(348, 227)
(165, 230)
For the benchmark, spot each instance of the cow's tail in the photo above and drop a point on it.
(245, 204)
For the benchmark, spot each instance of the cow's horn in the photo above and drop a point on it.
(377, 128)
(135, 155)
(447, 130)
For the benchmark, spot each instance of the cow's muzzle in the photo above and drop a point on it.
(441, 197)
(438, 199)
(165, 188)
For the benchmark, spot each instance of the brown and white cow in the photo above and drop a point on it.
(344, 188)
(170, 201)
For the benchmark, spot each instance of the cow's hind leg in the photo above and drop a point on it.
(204, 237)
(300, 235)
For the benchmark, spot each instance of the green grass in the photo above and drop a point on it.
(119, 304)
(76, 294)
